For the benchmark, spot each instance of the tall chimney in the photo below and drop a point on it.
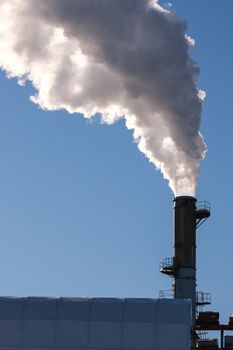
(184, 283)
(188, 216)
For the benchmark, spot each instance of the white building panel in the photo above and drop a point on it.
(94, 324)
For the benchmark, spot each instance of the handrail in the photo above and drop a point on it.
(166, 294)
(203, 205)
(203, 298)
(168, 262)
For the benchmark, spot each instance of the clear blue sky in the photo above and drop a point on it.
(83, 213)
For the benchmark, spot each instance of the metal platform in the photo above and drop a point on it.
(168, 266)
(203, 299)
(202, 210)
(217, 327)
(220, 327)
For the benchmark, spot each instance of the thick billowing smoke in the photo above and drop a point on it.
(121, 58)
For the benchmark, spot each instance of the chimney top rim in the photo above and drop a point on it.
(184, 197)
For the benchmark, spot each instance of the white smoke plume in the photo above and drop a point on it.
(121, 58)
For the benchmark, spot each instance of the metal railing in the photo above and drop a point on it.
(203, 298)
(168, 263)
(166, 294)
(202, 212)
(202, 334)
(203, 205)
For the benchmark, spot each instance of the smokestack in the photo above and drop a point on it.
(188, 216)
(184, 283)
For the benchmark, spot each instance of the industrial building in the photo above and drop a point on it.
(175, 323)
(100, 323)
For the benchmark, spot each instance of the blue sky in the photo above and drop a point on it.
(83, 213)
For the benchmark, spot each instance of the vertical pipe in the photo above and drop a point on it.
(222, 339)
(185, 250)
